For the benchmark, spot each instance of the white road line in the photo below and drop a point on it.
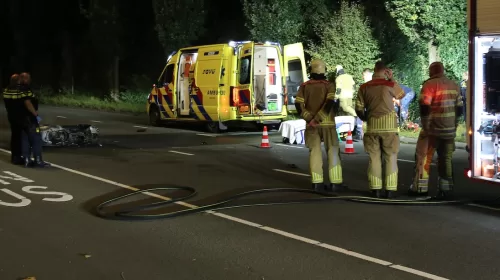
(266, 228)
(61, 117)
(207, 135)
(181, 153)
(417, 272)
(483, 206)
(290, 146)
(136, 126)
(291, 172)
(95, 121)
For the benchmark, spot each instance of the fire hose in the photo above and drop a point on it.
(128, 213)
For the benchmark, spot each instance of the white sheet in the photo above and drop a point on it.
(294, 129)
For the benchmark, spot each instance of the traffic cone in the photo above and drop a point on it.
(265, 139)
(349, 145)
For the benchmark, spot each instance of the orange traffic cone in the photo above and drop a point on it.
(349, 145)
(265, 139)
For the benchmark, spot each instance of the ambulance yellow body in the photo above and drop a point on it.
(226, 84)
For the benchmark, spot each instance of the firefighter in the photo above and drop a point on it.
(31, 137)
(14, 106)
(441, 107)
(316, 104)
(374, 105)
(345, 92)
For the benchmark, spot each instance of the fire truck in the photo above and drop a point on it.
(483, 90)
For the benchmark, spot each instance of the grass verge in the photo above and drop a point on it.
(92, 102)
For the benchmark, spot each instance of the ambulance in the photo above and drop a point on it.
(483, 91)
(229, 84)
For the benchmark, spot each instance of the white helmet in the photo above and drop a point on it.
(318, 66)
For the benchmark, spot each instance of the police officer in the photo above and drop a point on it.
(315, 102)
(31, 137)
(441, 107)
(374, 105)
(15, 108)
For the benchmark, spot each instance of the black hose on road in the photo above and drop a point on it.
(127, 214)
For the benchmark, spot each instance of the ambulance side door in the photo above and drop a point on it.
(295, 72)
(244, 99)
(166, 89)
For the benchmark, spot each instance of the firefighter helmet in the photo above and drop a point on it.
(318, 66)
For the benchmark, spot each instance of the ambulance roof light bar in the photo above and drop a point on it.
(237, 43)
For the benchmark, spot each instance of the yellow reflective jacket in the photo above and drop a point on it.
(345, 83)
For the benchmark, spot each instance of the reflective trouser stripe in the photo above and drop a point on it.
(426, 147)
(382, 148)
(316, 177)
(313, 137)
(335, 173)
(375, 182)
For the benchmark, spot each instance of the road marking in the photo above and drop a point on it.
(137, 126)
(61, 117)
(266, 228)
(417, 272)
(291, 172)
(290, 146)
(95, 121)
(181, 153)
(23, 200)
(483, 206)
(207, 135)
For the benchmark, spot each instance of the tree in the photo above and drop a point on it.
(274, 20)
(104, 38)
(178, 22)
(439, 26)
(348, 41)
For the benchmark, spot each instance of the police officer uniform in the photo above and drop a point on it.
(14, 105)
(440, 108)
(374, 105)
(315, 102)
(31, 136)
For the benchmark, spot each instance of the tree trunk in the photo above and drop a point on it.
(433, 52)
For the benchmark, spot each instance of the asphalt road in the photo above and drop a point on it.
(48, 229)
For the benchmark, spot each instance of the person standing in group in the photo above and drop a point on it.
(14, 106)
(374, 105)
(31, 137)
(441, 106)
(315, 102)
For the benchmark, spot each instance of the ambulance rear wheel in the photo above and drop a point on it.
(154, 116)
(212, 127)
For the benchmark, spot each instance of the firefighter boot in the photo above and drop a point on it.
(336, 188)
(377, 193)
(40, 163)
(390, 194)
(319, 187)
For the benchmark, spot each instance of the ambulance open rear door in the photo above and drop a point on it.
(242, 96)
(295, 73)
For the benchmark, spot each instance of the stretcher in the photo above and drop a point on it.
(292, 131)
(69, 135)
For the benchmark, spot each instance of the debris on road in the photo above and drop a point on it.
(69, 135)
(87, 256)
